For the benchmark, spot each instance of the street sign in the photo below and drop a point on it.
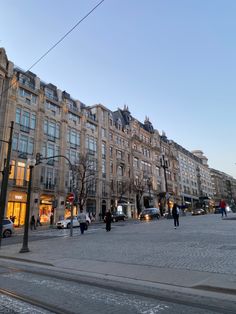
(70, 197)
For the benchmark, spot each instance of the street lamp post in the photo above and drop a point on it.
(164, 165)
(25, 249)
(149, 184)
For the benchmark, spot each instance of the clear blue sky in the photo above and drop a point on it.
(172, 60)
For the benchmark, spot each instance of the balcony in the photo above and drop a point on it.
(51, 138)
(22, 155)
(18, 183)
(24, 128)
(27, 83)
(49, 186)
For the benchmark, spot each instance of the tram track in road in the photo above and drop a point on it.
(33, 302)
(113, 286)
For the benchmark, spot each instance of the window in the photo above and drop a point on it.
(27, 81)
(49, 93)
(52, 107)
(135, 162)
(18, 115)
(12, 172)
(52, 129)
(104, 168)
(104, 150)
(72, 105)
(111, 167)
(73, 137)
(25, 118)
(104, 133)
(120, 171)
(111, 151)
(73, 117)
(32, 99)
(119, 154)
(91, 126)
(48, 177)
(23, 142)
(91, 144)
(20, 173)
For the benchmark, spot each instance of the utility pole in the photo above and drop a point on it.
(164, 165)
(5, 177)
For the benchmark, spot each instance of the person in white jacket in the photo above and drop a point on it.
(82, 221)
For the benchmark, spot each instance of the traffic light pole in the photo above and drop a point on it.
(5, 177)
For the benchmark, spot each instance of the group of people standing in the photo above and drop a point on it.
(34, 222)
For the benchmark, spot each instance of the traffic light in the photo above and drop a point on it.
(38, 158)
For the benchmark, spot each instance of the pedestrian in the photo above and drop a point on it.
(175, 214)
(108, 220)
(32, 223)
(51, 219)
(38, 223)
(223, 208)
(82, 221)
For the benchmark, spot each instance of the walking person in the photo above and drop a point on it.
(51, 219)
(38, 223)
(82, 221)
(223, 208)
(108, 219)
(175, 214)
(32, 223)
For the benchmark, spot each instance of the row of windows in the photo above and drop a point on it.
(51, 128)
(30, 97)
(25, 118)
(23, 143)
(73, 137)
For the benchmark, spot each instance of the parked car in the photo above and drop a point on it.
(65, 223)
(149, 214)
(7, 228)
(198, 211)
(117, 216)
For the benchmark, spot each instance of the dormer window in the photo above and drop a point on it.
(72, 105)
(27, 81)
(50, 93)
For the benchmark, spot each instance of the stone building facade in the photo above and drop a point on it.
(127, 155)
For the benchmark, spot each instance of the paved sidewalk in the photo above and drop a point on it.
(104, 255)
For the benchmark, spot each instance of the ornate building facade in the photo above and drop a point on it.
(127, 155)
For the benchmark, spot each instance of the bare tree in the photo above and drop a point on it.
(138, 187)
(85, 174)
(123, 188)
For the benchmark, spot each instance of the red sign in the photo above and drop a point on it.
(70, 197)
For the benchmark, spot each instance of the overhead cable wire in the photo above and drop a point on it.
(58, 42)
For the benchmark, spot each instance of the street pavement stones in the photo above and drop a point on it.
(200, 253)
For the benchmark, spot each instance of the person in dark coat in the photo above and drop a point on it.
(108, 220)
(32, 223)
(175, 214)
(38, 223)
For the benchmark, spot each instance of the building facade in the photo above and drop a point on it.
(128, 164)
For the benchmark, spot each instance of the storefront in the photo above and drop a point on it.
(16, 207)
(46, 208)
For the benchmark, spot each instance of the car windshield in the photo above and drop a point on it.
(69, 218)
(147, 211)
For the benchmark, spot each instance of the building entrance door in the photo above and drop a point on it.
(17, 210)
